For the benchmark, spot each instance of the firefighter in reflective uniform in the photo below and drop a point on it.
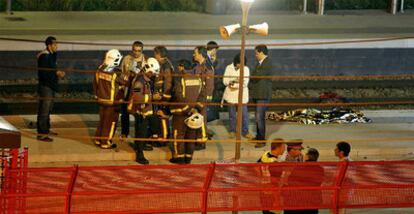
(139, 105)
(162, 92)
(187, 123)
(204, 68)
(108, 87)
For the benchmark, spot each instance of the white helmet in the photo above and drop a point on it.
(153, 66)
(195, 121)
(113, 58)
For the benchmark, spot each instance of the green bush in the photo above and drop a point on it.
(106, 5)
(185, 5)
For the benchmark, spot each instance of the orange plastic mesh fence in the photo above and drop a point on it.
(209, 188)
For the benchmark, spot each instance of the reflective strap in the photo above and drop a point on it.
(164, 128)
(175, 143)
(113, 87)
(111, 132)
(166, 96)
(146, 98)
(183, 86)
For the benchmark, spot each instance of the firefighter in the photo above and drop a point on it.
(132, 64)
(140, 105)
(187, 123)
(108, 87)
(162, 93)
(204, 68)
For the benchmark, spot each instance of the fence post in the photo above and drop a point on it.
(321, 7)
(338, 184)
(207, 186)
(70, 188)
(402, 6)
(9, 7)
(305, 6)
(393, 6)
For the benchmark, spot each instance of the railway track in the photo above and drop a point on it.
(13, 106)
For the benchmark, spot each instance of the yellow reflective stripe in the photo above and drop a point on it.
(183, 86)
(199, 104)
(107, 101)
(203, 132)
(130, 104)
(97, 77)
(113, 87)
(160, 82)
(180, 109)
(188, 155)
(209, 97)
(166, 95)
(146, 98)
(112, 131)
(164, 128)
(175, 143)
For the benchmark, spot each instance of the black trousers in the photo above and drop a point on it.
(45, 108)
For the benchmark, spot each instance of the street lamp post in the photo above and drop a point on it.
(226, 32)
(245, 4)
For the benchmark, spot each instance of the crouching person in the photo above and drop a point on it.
(139, 104)
(187, 122)
(108, 87)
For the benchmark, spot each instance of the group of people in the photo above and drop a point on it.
(158, 95)
(310, 175)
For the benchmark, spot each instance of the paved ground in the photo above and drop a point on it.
(389, 137)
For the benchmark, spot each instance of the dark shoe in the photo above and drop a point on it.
(267, 212)
(44, 138)
(148, 147)
(142, 161)
(52, 133)
(200, 146)
(259, 145)
(188, 160)
(177, 160)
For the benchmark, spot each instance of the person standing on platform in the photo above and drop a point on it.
(131, 65)
(48, 86)
(140, 104)
(213, 111)
(205, 69)
(261, 91)
(108, 86)
(187, 122)
(162, 93)
(231, 95)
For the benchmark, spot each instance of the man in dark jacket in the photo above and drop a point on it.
(261, 91)
(48, 86)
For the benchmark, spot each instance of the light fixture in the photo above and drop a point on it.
(262, 29)
(227, 31)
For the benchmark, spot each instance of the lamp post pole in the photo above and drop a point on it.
(245, 4)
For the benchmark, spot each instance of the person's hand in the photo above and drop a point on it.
(60, 74)
(156, 97)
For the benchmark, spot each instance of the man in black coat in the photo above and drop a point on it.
(261, 91)
(48, 86)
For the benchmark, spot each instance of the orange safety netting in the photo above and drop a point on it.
(210, 187)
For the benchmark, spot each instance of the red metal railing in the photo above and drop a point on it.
(209, 187)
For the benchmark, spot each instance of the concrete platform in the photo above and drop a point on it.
(389, 137)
